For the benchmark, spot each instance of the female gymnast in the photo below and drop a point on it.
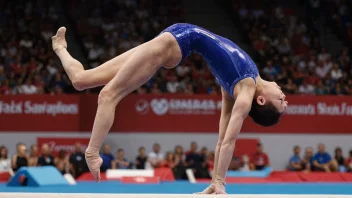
(243, 91)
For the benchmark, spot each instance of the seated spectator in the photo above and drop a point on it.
(340, 159)
(179, 155)
(236, 163)
(179, 169)
(211, 160)
(156, 157)
(46, 159)
(20, 159)
(33, 156)
(169, 161)
(141, 158)
(322, 161)
(348, 162)
(306, 88)
(107, 158)
(307, 160)
(260, 159)
(295, 163)
(29, 88)
(5, 163)
(204, 154)
(194, 162)
(62, 162)
(120, 162)
(78, 164)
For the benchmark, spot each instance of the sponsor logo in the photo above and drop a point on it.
(176, 106)
(29, 107)
(321, 108)
(142, 107)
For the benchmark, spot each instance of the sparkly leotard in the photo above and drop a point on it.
(228, 63)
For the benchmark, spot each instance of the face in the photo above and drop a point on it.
(179, 150)
(194, 146)
(321, 148)
(78, 147)
(22, 149)
(34, 150)
(3, 152)
(45, 149)
(297, 150)
(309, 152)
(273, 93)
(156, 148)
(106, 148)
(259, 149)
(170, 156)
(120, 154)
(141, 151)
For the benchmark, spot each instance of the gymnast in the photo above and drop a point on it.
(244, 92)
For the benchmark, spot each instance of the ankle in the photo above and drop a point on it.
(92, 151)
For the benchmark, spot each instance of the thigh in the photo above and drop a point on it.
(104, 73)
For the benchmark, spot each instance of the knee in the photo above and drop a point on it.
(78, 82)
(162, 53)
(106, 96)
(220, 141)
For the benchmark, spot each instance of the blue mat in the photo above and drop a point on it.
(187, 188)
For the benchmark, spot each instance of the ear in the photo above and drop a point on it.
(261, 100)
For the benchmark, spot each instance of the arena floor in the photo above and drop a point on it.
(51, 195)
(175, 189)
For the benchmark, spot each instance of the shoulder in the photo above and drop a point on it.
(246, 86)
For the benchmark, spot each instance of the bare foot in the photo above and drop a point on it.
(94, 162)
(209, 190)
(59, 41)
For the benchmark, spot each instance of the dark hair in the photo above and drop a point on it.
(62, 153)
(120, 150)
(264, 115)
(1, 148)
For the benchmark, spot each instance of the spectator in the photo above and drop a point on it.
(169, 161)
(120, 162)
(348, 162)
(307, 159)
(29, 88)
(236, 163)
(5, 164)
(204, 154)
(295, 162)
(336, 72)
(306, 88)
(46, 159)
(179, 155)
(155, 157)
(211, 160)
(141, 158)
(179, 169)
(260, 159)
(107, 158)
(193, 160)
(340, 159)
(62, 162)
(20, 159)
(33, 156)
(322, 161)
(77, 160)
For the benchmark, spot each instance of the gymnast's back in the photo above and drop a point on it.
(228, 63)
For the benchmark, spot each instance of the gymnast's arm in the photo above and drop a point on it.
(226, 108)
(245, 94)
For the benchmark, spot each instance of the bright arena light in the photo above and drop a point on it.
(80, 195)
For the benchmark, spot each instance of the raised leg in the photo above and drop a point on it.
(84, 79)
(139, 68)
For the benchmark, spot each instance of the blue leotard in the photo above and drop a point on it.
(228, 63)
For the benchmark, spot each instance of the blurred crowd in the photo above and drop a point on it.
(201, 161)
(287, 47)
(289, 50)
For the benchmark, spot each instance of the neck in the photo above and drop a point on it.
(260, 84)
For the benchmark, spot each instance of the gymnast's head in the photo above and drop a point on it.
(268, 104)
